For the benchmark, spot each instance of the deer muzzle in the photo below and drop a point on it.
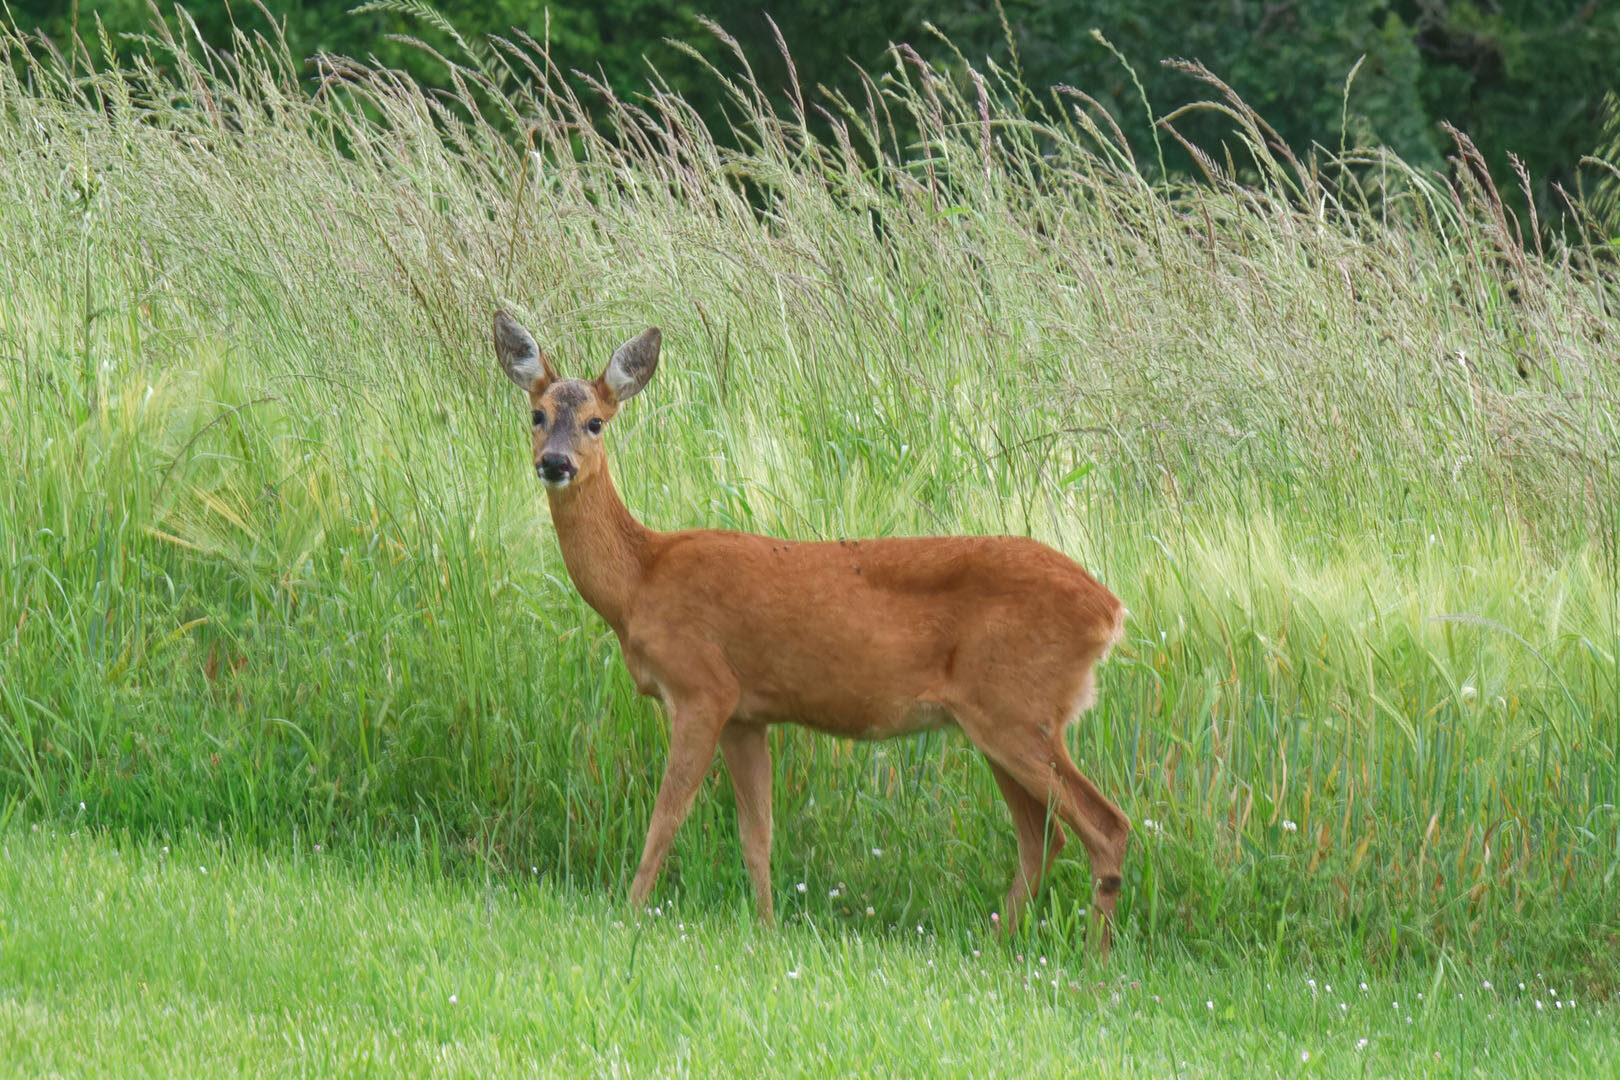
(556, 469)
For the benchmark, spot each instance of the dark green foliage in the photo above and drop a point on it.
(1289, 61)
(1520, 77)
(1526, 78)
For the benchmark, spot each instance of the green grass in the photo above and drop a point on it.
(130, 958)
(1340, 434)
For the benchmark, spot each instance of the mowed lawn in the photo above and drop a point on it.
(122, 958)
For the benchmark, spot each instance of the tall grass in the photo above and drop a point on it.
(1341, 434)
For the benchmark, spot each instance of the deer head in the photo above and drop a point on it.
(568, 415)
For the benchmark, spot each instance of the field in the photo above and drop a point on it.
(128, 960)
(275, 572)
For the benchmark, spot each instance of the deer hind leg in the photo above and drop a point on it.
(695, 724)
(1040, 839)
(1108, 857)
(748, 759)
(1033, 753)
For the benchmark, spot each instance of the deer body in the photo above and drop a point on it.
(863, 639)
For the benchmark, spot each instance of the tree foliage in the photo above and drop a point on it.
(1522, 77)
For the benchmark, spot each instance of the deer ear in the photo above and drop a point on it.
(520, 357)
(632, 365)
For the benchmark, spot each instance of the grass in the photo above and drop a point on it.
(130, 958)
(1341, 434)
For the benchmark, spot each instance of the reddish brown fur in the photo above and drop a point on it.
(867, 639)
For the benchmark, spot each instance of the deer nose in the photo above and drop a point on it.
(556, 468)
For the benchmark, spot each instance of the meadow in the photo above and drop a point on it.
(275, 571)
(129, 958)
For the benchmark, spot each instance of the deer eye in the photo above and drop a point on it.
(539, 418)
(594, 425)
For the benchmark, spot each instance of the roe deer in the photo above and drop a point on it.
(865, 639)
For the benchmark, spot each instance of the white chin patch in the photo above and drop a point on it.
(557, 485)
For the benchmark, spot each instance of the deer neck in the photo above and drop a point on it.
(603, 546)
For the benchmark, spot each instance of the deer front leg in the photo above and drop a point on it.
(694, 729)
(748, 759)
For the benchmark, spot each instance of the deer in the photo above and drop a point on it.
(861, 639)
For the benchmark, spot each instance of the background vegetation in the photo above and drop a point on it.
(273, 563)
(1522, 76)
